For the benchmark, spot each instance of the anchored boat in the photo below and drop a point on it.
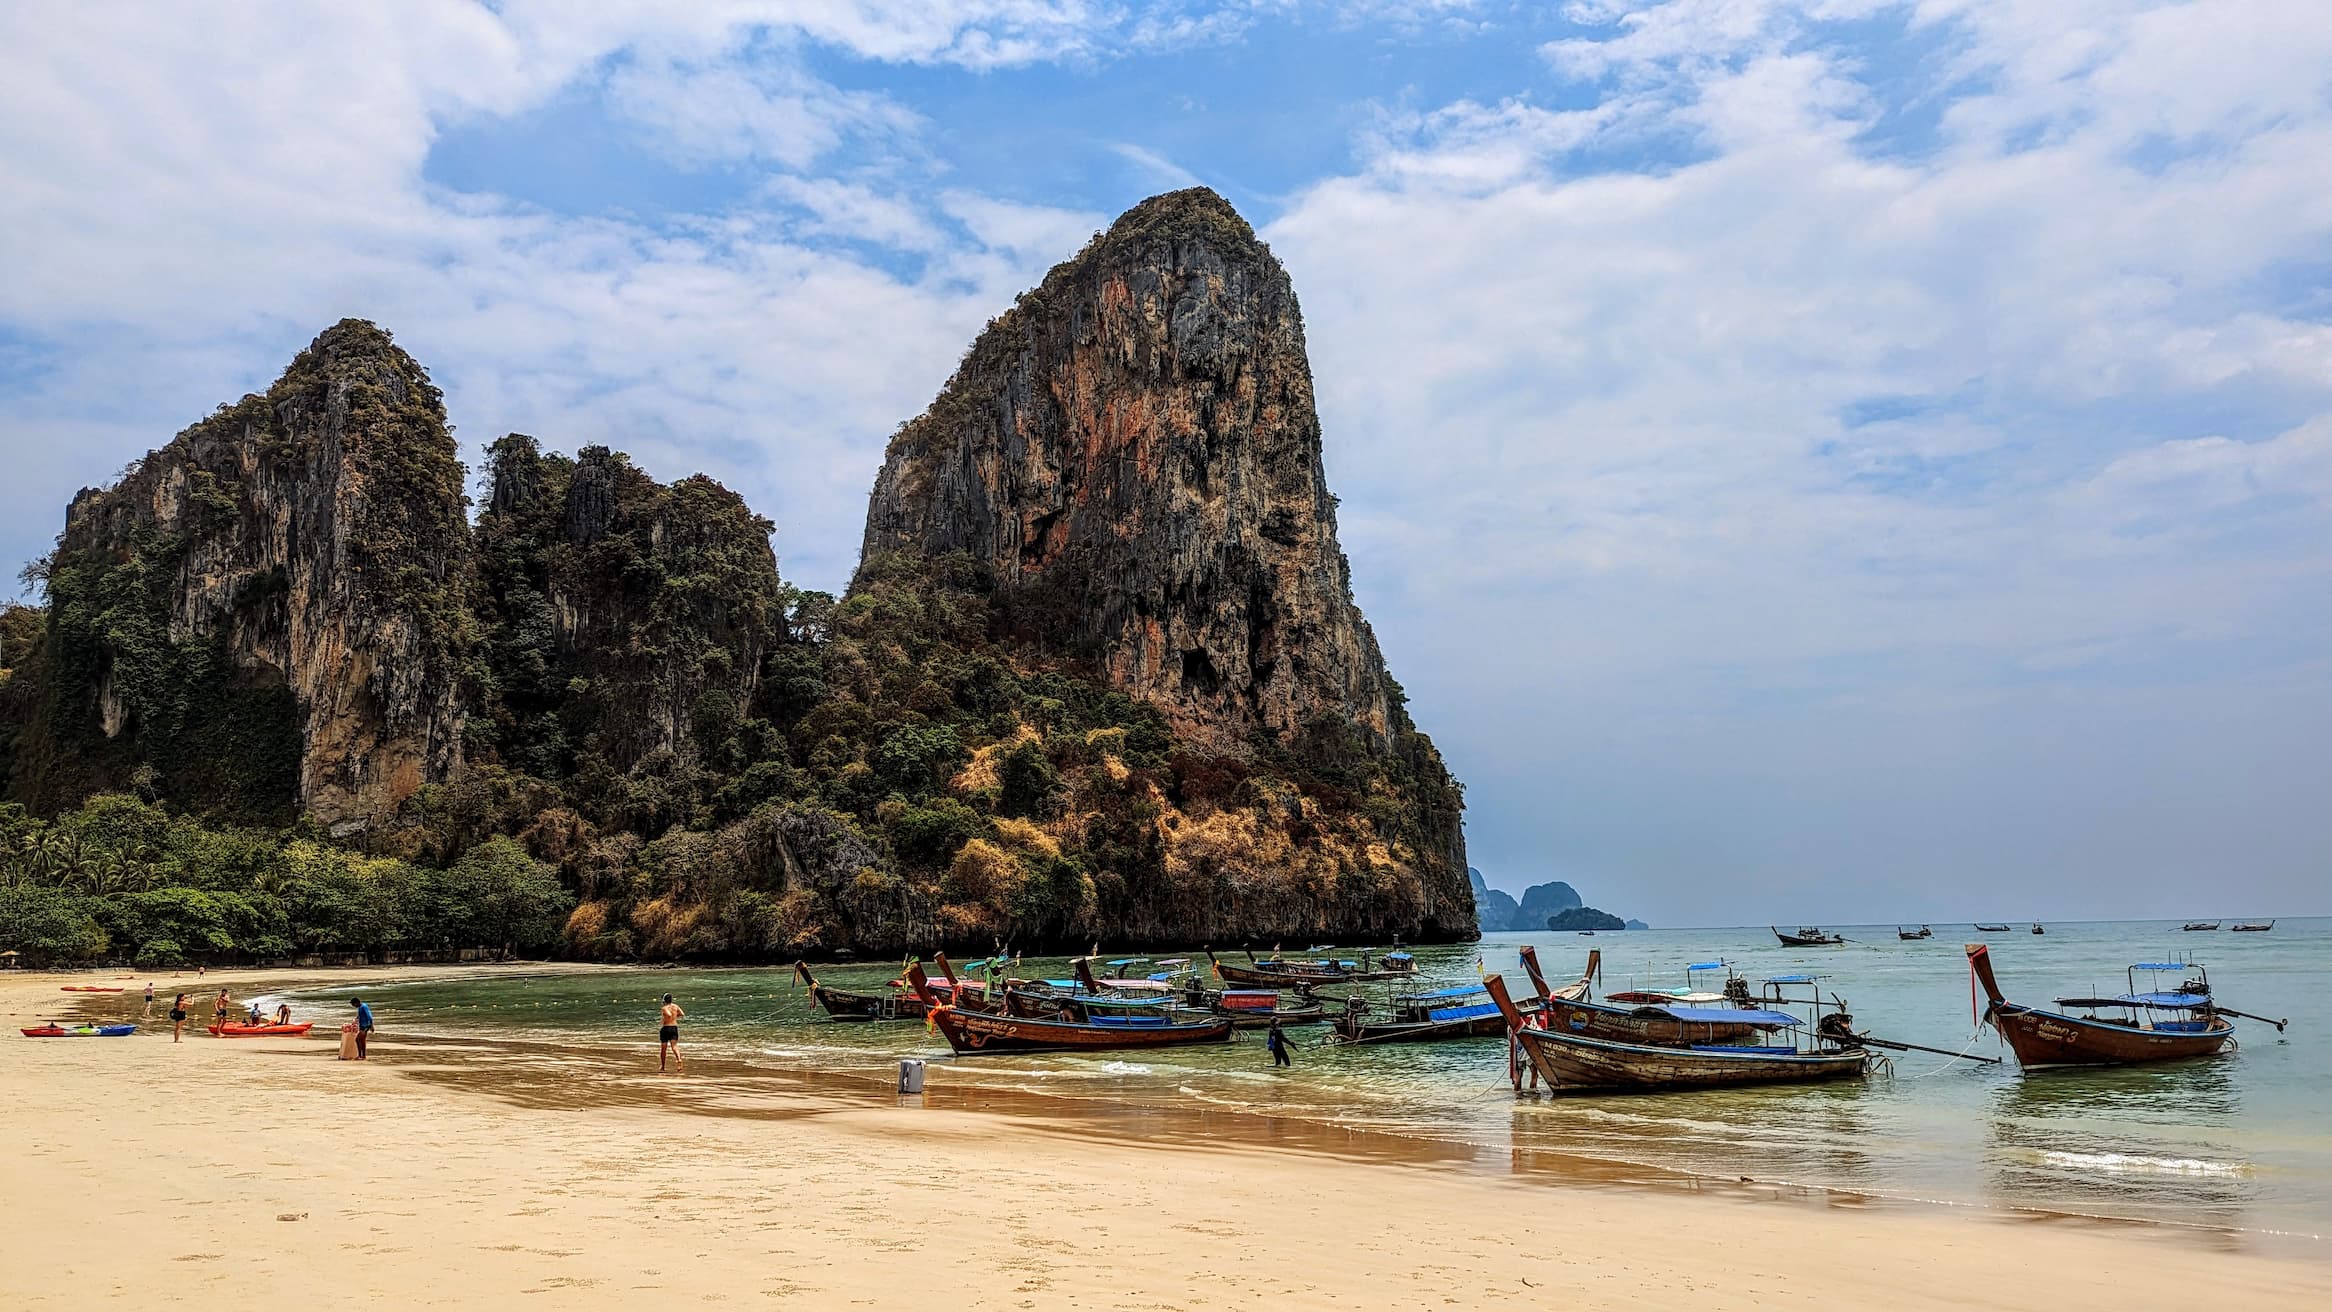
(1571, 1062)
(971, 1033)
(1808, 936)
(2154, 1024)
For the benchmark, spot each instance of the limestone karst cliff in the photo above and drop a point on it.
(1131, 456)
(268, 608)
(623, 617)
(1133, 450)
(1099, 675)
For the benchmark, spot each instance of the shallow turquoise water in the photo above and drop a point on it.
(2239, 1142)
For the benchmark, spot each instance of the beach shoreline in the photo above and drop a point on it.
(552, 1167)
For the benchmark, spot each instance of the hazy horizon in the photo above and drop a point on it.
(1806, 460)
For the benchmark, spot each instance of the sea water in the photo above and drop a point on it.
(2237, 1143)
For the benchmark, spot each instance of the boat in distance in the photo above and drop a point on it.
(1991, 929)
(2252, 927)
(1909, 934)
(2198, 926)
(1808, 936)
(2146, 1032)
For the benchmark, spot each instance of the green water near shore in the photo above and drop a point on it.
(2237, 1143)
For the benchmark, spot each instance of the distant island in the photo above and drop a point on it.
(1553, 905)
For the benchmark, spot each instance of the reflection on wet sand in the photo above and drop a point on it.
(1806, 1134)
(2144, 1141)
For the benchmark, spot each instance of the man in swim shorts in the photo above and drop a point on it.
(363, 1026)
(668, 1038)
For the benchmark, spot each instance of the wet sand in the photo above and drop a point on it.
(469, 1173)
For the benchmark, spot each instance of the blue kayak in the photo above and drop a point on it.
(80, 1031)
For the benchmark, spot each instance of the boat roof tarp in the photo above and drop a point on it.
(1461, 991)
(2159, 1001)
(1793, 979)
(1731, 1015)
(2160, 965)
(1706, 965)
(1478, 1011)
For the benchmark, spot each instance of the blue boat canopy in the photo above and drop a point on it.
(1707, 965)
(2166, 1001)
(1732, 1015)
(1793, 979)
(1479, 1011)
(2159, 965)
(1461, 991)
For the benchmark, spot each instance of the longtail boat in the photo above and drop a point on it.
(1991, 929)
(1449, 1013)
(899, 1004)
(1808, 936)
(1250, 1009)
(2198, 926)
(1919, 933)
(972, 1033)
(1570, 1062)
(2156, 1024)
(2252, 927)
(1736, 990)
(1638, 1016)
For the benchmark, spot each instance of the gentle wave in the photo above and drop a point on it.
(2123, 1163)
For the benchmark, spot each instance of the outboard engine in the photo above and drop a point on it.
(1737, 992)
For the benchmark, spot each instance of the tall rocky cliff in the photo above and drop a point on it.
(1099, 675)
(623, 617)
(1131, 457)
(1133, 450)
(269, 607)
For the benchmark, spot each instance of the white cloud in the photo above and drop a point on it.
(1877, 430)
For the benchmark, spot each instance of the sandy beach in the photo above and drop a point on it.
(266, 1174)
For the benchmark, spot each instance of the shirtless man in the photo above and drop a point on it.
(669, 1036)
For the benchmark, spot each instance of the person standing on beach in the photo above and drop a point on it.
(220, 1006)
(1277, 1042)
(668, 1037)
(178, 1018)
(363, 1025)
(149, 997)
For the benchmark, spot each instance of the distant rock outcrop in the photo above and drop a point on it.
(1495, 908)
(271, 604)
(1578, 918)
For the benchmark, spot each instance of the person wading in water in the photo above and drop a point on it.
(1277, 1042)
(668, 1037)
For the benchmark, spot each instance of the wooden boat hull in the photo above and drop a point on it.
(975, 1033)
(2044, 1039)
(1807, 940)
(1256, 977)
(1572, 1062)
(843, 1005)
(1626, 1025)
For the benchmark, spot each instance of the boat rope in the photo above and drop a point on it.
(1973, 1040)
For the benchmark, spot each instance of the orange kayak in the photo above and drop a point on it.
(260, 1031)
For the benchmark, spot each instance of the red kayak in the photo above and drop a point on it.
(55, 1031)
(260, 1031)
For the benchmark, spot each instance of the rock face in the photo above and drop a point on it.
(1133, 451)
(1131, 458)
(623, 617)
(300, 551)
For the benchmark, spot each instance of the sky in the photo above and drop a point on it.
(1807, 460)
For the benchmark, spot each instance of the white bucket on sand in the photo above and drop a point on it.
(911, 1075)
